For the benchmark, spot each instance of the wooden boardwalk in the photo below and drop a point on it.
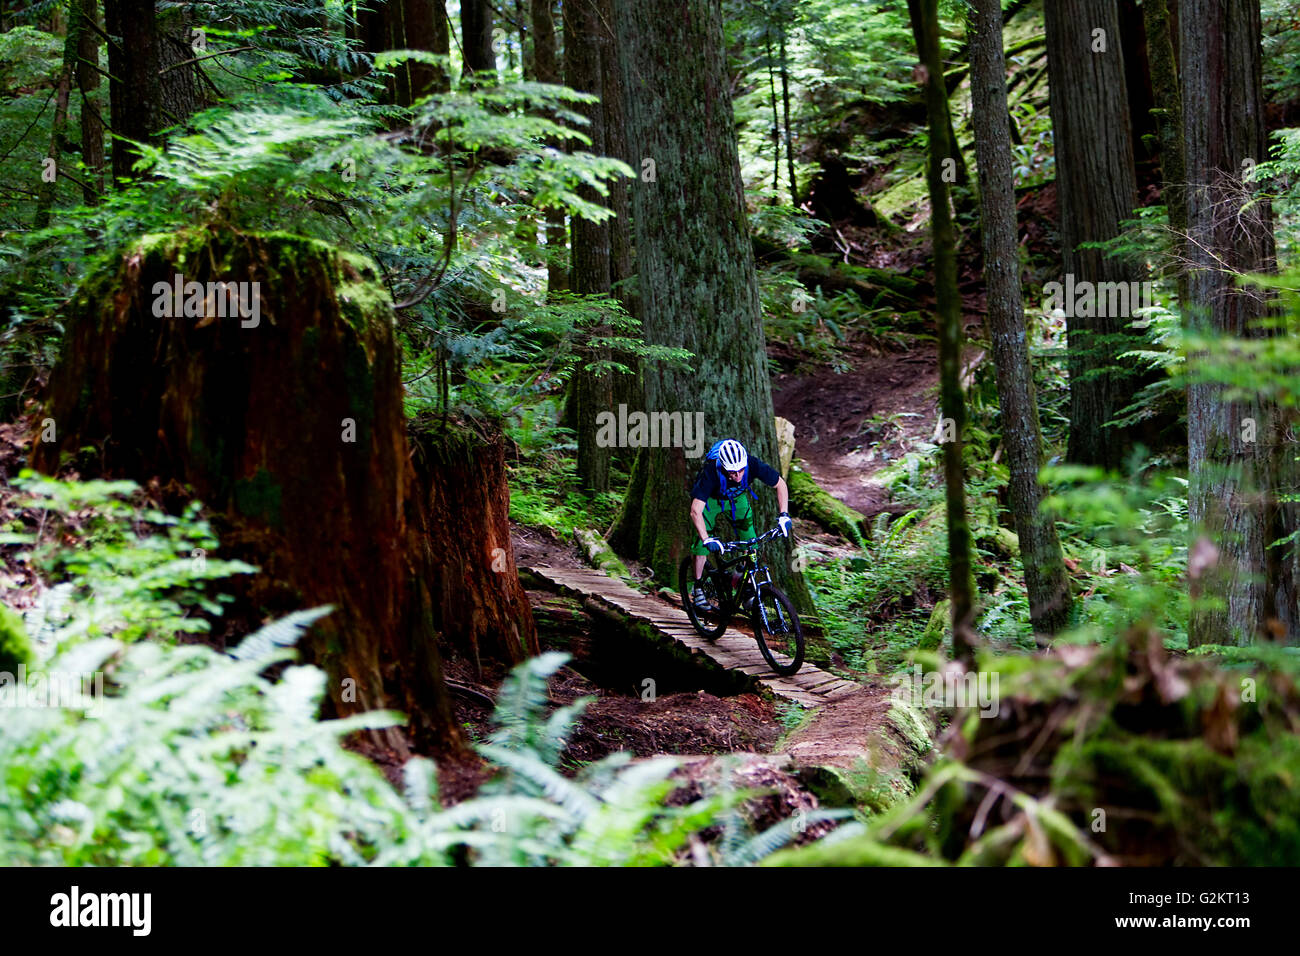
(810, 687)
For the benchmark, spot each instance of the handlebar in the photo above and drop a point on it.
(729, 546)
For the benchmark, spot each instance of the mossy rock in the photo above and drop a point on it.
(808, 500)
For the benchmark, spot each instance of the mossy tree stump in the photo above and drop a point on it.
(293, 431)
(478, 603)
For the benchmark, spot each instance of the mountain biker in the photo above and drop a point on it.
(721, 486)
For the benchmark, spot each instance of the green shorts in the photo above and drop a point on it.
(742, 526)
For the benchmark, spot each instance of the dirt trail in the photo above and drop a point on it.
(850, 425)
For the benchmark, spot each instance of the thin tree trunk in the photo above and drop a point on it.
(546, 63)
(925, 26)
(58, 129)
(1040, 548)
(776, 121)
(1238, 457)
(583, 48)
(92, 120)
(785, 109)
(525, 44)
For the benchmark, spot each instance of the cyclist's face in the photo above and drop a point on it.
(735, 476)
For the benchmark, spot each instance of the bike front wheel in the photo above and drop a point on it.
(776, 626)
(707, 623)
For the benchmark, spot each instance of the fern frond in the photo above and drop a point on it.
(282, 633)
(569, 795)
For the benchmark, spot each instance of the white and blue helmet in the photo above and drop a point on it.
(731, 456)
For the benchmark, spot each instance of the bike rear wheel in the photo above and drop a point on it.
(776, 626)
(712, 622)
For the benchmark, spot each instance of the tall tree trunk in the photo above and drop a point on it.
(92, 120)
(1236, 475)
(1097, 188)
(1040, 548)
(925, 27)
(546, 63)
(476, 37)
(697, 283)
(134, 87)
(585, 49)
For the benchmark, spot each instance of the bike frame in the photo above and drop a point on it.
(748, 561)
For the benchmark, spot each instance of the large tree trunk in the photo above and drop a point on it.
(925, 27)
(1040, 548)
(409, 25)
(134, 87)
(1236, 475)
(697, 284)
(586, 52)
(292, 431)
(1097, 188)
(181, 83)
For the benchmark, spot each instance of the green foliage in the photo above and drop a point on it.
(198, 758)
(133, 571)
(1128, 535)
(1138, 758)
(1281, 179)
(15, 646)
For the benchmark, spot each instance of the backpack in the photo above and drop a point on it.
(731, 494)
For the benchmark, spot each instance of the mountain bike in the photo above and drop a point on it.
(742, 584)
